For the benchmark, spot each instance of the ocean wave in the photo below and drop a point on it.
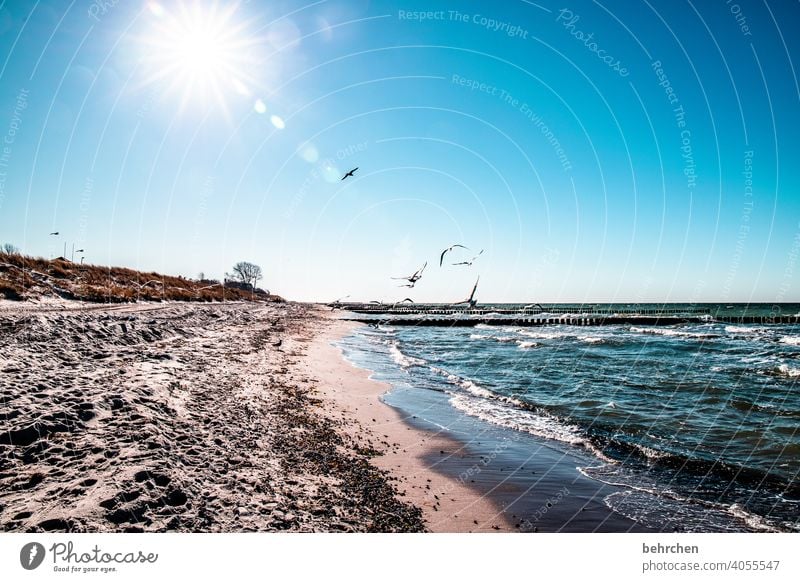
(672, 332)
(546, 334)
(792, 340)
(403, 360)
(475, 390)
(651, 454)
(497, 338)
(785, 371)
(753, 521)
(748, 330)
(665, 510)
(537, 424)
(526, 345)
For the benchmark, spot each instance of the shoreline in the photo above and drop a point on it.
(448, 505)
(459, 478)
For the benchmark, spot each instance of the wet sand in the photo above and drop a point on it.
(465, 474)
(448, 504)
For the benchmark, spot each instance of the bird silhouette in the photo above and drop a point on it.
(54, 234)
(350, 173)
(471, 302)
(469, 262)
(412, 279)
(447, 250)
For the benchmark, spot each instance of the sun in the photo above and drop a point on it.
(199, 51)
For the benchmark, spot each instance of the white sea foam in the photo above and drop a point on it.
(743, 329)
(497, 338)
(527, 345)
(546, 334)
(402, 359)
(651, 454)
(495, 412)
(671, 332)
(752, 520)
(786, 370)
(792, 340)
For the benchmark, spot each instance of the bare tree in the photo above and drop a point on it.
(247, 273)
(9, 249)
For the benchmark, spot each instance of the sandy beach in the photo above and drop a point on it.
(208, 417)
(177, 417)
(448, 504)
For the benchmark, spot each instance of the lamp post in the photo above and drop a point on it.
(55, 234)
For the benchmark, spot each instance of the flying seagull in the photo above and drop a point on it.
(469, 262)
(350, 173)
(406, 300)
(471, 300)
(412, 279)
(447, 250)
(54, 233)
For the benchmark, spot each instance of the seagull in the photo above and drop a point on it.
(406, 300)
(471, 301)
(447, 250)
(54, 234)
(412, 279)
(349, 174)
(469, 262)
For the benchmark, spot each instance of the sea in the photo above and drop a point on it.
(693, 427)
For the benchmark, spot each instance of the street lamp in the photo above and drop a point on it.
(65, 244)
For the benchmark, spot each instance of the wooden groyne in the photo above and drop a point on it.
(446, 310)
(577, 320)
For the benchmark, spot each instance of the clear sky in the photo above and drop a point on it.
(596, 151)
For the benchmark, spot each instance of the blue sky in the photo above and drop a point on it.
(597, 151)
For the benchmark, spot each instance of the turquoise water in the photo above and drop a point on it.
(697, 418)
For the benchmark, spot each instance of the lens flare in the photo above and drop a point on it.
(201, 51)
